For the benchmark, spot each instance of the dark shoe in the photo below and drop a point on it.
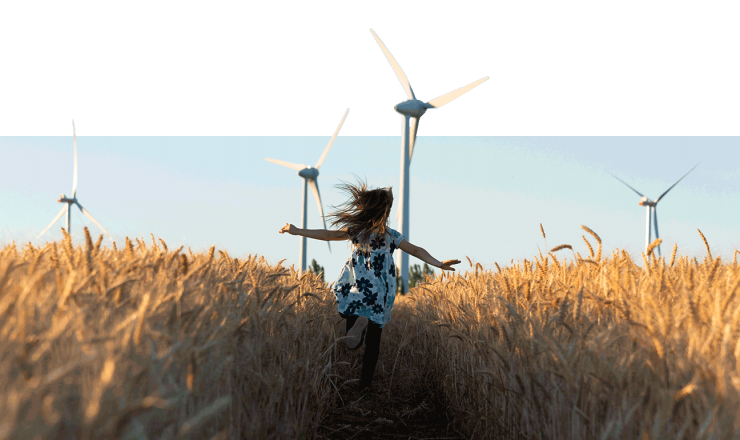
(355, 334)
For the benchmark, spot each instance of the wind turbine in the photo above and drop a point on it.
(68, 202)
(414, 109)
(310, 176)
(651, 210)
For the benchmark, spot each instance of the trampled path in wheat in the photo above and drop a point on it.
(399, 405)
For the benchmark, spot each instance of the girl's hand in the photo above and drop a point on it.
(290, 229)
(447, 264)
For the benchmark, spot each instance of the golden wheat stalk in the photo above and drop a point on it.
(561, 247)
(706, 244)
(590, 249)
(140, 321)
(129, 248)
(88, 239)
(596, 237)
(89, 247)
(184, 264)
(653, 245)
(673, 254)
(566, 246)
(98, 243)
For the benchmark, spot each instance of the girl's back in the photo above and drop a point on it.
(367, 282)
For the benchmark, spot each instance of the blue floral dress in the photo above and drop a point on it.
(367, 283)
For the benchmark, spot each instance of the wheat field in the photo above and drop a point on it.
(149, 342)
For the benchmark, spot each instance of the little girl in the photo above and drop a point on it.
(366, 288)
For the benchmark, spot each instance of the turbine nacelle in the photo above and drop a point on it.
(309, 173)
(644, 201)
(412, 107)
(64, 199)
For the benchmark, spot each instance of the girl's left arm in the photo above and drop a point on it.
(426, 257)
(318, 234)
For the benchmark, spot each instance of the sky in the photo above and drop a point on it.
(178, 103)
(482, 197)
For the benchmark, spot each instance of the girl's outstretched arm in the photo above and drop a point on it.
(318, 234)
(424, 256)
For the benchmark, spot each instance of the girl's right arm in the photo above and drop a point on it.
(318, 234)
(424, 256)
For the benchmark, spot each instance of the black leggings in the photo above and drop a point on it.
(372, 348)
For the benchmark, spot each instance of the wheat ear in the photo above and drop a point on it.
(596, 237)
(590, 249)
(709, 253)
(561, 247)
(653, 245)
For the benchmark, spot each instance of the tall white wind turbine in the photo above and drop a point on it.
(413, 109)
(68, 202)
(310, 176)
(651, 210)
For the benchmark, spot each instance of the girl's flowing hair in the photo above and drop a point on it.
(365, 213)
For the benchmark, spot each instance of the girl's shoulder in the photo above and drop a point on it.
(391, 235)
(396, 236)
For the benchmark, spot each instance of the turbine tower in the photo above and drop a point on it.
(651, 211)
(414, 109)
(68, 202)
(310, 176)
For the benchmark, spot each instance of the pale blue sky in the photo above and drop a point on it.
(478, 196)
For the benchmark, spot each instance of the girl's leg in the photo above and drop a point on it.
(350, 322)
(370, 357)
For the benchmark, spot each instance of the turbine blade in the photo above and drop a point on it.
(396, 68)
(61, 213)
(638, 192)
(444, 99)
(414, 129)
(328, 146)
(315, 189)
(666, 191)
(88, 215)
(294, 166)
(74, 178)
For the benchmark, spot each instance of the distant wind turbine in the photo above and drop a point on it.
(310, 176)
(651, 209)
(67, 208)
(415, 109)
